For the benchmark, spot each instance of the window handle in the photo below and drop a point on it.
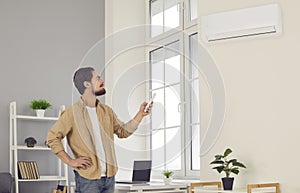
(179, 106)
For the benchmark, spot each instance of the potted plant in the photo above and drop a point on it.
(168, 176)
(228, 166)
(39, 106)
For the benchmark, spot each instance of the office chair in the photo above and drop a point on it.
(266, 185)
(218, 184)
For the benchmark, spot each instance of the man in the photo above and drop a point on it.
(90, 127)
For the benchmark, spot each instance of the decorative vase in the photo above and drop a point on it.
(227, 183)
(40, 112)
(167, 181)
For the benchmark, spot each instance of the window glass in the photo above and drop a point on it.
(157, 68)
(172, 63)
(194, 102)
(157, 17)
(194, 56)
(171, 13)
(158, 152)
(157, 73)
(173, 148)
(195, 147)
(164, 15)
(172, 66)
(193, 14)
(158, 110)
(172, 105)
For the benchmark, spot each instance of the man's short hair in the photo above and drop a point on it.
(81, 75)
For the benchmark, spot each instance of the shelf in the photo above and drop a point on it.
(45, 178)
(17, 166)
(37, 147)
(35, 117)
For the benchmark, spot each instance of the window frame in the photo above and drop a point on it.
(187, 22)
(158, 44)
(167, 33)
(184, 21)
(188, 163)
(182, 33)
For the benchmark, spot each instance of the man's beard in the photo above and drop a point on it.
(100, 92)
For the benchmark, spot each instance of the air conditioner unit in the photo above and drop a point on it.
(242, 23)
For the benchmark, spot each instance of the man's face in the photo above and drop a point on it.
(97, 85)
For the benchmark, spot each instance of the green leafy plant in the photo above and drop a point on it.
(39, 104)
(168, 173)
(227, 165)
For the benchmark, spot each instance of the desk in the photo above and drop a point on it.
(149, 188)
(152, 187)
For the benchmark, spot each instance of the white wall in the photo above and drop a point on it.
(261, 77)
(41, 44)
(125, 74)
(262, 96)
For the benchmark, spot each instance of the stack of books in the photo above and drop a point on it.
(28, 170)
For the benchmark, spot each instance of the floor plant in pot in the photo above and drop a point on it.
(39, 106)
(228, 166)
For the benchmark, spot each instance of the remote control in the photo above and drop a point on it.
(149, 103)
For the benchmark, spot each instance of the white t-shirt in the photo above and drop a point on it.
(98, 140)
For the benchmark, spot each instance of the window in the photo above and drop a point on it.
(165, 15)
(166, 118)
(193, 13)
(174, 77)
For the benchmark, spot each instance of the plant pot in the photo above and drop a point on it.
(227, 183)
(167, 181)
(40, 112)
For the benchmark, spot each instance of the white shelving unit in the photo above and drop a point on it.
(62, 169)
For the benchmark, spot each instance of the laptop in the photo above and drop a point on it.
(140, 174)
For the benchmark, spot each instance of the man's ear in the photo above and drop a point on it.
(86, 84)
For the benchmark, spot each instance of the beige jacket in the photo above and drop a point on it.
(75, 124)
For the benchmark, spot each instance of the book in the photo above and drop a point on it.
(33, 170)
(28, 170)
(36, 170)
(21, 170)
(25, 170)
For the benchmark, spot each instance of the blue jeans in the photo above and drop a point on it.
(103, 185)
